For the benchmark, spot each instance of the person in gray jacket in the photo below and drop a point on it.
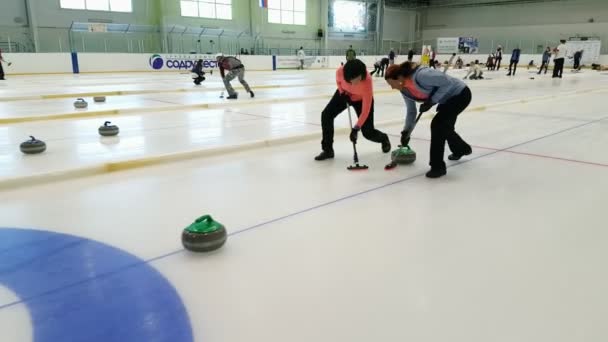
(514, 61)
(546, 58)
(430, 87)
(235, 69)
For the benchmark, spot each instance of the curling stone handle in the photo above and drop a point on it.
(205, 218)
(32, 138)
(107, 123)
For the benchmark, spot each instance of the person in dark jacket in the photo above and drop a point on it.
(380, 66)
(391, 57)
(578, 55)
(430, 87)
(410, 55)
(514, 61)
(198, 75)
(498, 58)
(350, 53)
(546, 58)
(1, 68)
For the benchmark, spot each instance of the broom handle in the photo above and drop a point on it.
(356, 157)
(415, 123)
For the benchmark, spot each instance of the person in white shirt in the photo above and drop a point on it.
(301, 57)
(560, 55)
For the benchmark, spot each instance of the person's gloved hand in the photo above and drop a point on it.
(353, 134)
(405, 138)
(425, 106)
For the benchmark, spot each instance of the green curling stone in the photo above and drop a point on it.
(81, 103)
(99, 99)
(108, 130)
(204, 235)
(33, 146)
(403, 155)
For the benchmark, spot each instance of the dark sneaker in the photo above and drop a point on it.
(386, 145)
(325, 155)
(435, 173)
(252, 94)
(455, 156)
(232, 97)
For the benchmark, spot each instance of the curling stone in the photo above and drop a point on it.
(99, 99)
(204, 235)
(81, 103)
(33, 146)
(108, 130)
(403, 155)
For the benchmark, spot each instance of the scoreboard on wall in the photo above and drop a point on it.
(591, 47)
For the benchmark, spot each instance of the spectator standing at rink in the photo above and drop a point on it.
(426, 55)
(498, 58)
(410, 55)
(546, 58)
(391, 57)
(449, 63)
(432, 61)
(514, 61)
(578, 55)
(1, 67)
(235, 69)
(490, 62)
(301, 57)
(350, 54)
(560, 54)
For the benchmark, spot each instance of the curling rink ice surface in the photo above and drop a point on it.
(509, 246)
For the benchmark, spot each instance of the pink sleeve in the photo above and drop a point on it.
(368, 98)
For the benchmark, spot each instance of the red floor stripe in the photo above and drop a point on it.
(533, 155)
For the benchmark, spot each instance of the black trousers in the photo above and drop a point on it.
(545, 65)
(337, 105)
(443, 129)
(376, 70)
(1, 71)
(577, 63)
(513, 65)
(497, 64)
(379, 70)
(558, 69)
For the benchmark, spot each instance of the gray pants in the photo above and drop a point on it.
(301, 64)
(240, 73)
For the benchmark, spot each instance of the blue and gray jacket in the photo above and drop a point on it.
(437, 85)
(515, 55)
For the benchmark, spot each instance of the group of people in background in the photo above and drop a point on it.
(559, 53)
(236, 68)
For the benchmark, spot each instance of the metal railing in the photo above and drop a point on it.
(125, 38)
(10, 46)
